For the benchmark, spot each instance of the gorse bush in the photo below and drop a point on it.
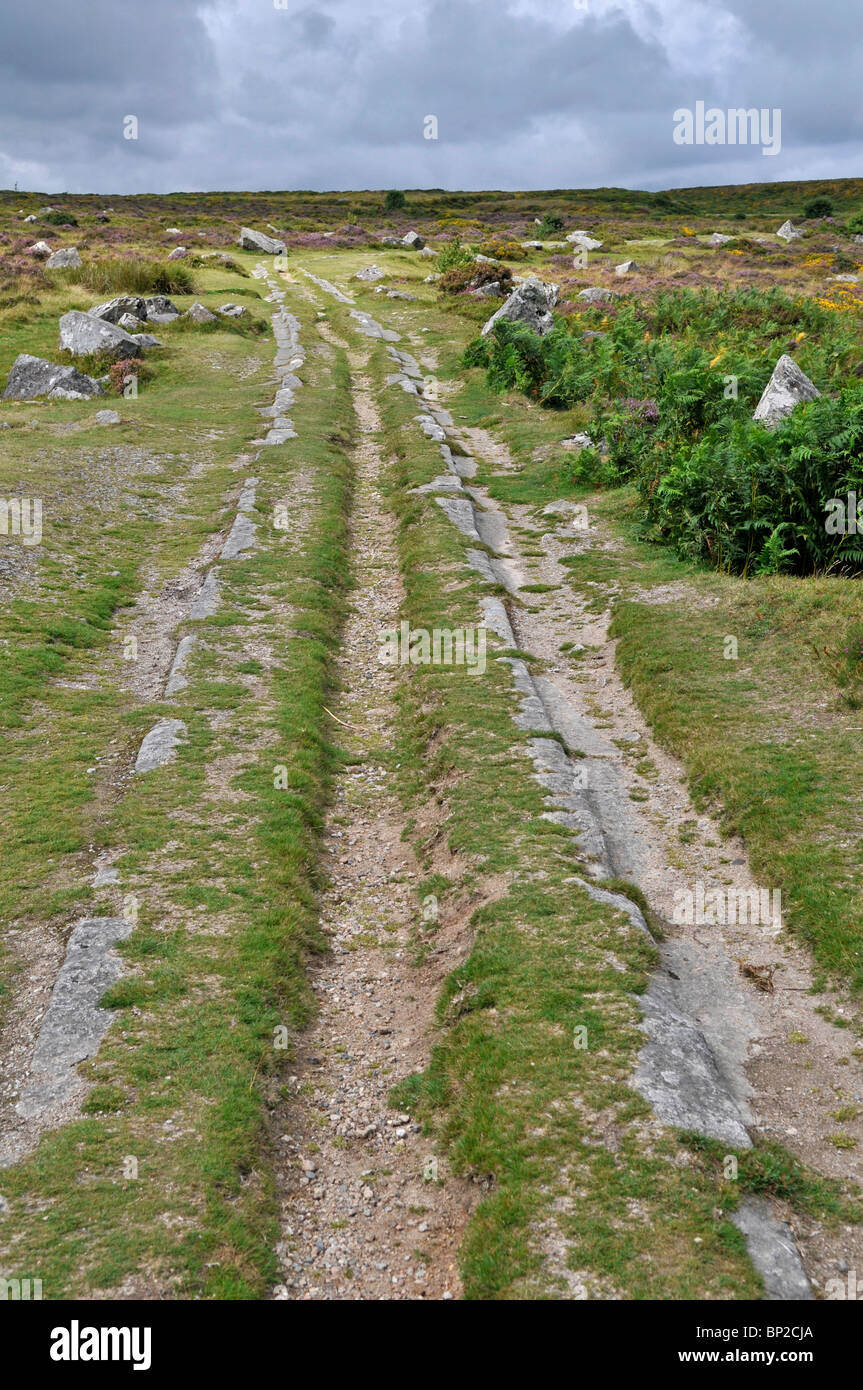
(395, 200)
(502, 249)
(675, 418)
(114, 276)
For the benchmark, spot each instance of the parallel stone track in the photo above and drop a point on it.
(369, 1210)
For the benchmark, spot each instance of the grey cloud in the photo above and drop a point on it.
(239, 94)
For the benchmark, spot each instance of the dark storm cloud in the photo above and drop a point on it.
(527, 93)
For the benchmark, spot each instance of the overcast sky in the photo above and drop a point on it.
(334, 94)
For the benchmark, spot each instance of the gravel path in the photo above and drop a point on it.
(369, 1209)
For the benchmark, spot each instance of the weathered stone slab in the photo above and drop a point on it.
(160, 745)
(176, 678)
(74, 1024)
(773, 1252)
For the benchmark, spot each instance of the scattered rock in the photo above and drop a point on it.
(130, 323)
(84, 333)
(199, 314)
(173, 231)
(718, 239)
(34, 376)
(67, 257)
(39, 249)
(259, 241)
(371, 272)
(106, 417)
(159, 309)
(625, 267)
(788, 231)
(179, 253)
(146, 340)
(31, 218)
(114, 309)
(413, 241)
(531, 303)
(585, 241)
(787, 388)
(233, 311)
(596, 295)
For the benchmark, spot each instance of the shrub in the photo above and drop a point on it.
(502, 250)
(473, 275)
(746, 499)
(550, 227)
(395, 200)
(60, 219)
(453, 256)
(719, 487)
(856, 223)
(130, 366)
(819, 207)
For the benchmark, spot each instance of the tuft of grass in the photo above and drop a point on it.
(113, 276)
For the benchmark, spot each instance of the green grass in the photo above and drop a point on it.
(185, 1077)
(766, 738)
(500, 1088)
(225, 865)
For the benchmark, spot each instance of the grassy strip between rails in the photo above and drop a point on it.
(584, 1190)
(164, 1187)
